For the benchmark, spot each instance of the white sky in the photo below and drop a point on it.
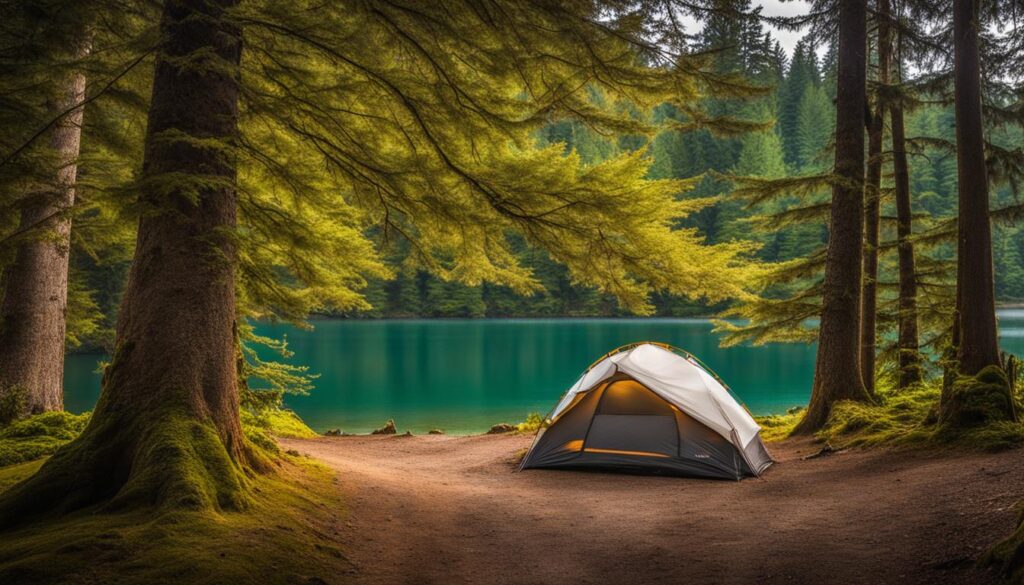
(787, 39)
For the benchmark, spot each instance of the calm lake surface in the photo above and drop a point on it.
(464, 376)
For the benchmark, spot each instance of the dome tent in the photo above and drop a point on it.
(649, 407)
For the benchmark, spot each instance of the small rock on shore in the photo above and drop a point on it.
(387, 429)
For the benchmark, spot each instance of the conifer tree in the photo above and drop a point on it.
(908, 353)
(802, 73)
(837, 373)
(35, 284)
(239, 139)
(978, 344)
(815, 121)
(872, 205)
(975, 336)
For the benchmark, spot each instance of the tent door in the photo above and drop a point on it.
(632, 420)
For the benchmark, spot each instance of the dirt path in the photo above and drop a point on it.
(436, 509)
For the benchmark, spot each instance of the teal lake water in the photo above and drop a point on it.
(464, 376)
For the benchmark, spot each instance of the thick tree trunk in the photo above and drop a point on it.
(981, 393)
(979, 346)
(35, 294)
(166, 430)
(872, 211)
(837, 373)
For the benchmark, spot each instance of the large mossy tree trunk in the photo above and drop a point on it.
(908, 354)
(166, 431)
(837, 372)
(35, 286)
(981, 393)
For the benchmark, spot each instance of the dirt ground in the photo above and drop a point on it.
(439, 509)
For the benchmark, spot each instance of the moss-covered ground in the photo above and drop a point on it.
(284, 534)
(38, 436)
(897, 419)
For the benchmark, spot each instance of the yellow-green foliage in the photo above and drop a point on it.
(281, 538)
(38, 435)
(421, 124)
(533, 423)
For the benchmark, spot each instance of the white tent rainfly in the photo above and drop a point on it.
(649, 407)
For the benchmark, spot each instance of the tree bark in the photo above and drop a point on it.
(979, 345)
(837, 373)
(872, 211)
(909, 359)
(35, 293)
(166, 430)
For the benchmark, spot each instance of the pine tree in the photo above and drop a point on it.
(837, 373)
(242, 221)
(34, 304)
(975, 335)
(815, 122)
(872, 204)
(803, 73)
(909, 357)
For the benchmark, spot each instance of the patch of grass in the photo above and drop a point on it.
(262, 425)
(12, 474)
(284, 536)
(38, 435)
(776, 427)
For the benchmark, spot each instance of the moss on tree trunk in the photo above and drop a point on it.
(166, 430)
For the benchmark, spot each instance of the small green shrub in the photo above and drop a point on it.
(533, 423)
